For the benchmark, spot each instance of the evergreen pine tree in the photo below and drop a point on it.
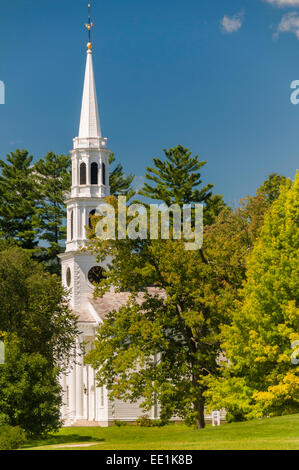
(54, 178)
(119, 183)
(177, 180)
(18, 199)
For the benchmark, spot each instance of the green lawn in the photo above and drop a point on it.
(274, 433)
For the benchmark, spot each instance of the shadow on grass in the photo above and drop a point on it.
(57, 440)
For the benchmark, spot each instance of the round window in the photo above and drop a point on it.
(68, 277)
(95, 275)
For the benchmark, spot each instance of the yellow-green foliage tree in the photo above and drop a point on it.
(259, 377)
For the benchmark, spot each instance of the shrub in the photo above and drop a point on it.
(11, 437)
(3, 420)
(120, 423)
(159, 423)
(144, 421)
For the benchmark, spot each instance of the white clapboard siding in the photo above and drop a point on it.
(126, 411)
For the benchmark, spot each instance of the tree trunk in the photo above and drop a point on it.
(200, 419)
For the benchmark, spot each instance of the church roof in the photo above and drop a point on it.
(109, 302)
(90, 121)
(115, 300)
(84, 316)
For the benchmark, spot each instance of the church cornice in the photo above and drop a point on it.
(89, 150)
(84, 199)
(75, 253)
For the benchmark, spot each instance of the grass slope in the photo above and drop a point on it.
(280, 433)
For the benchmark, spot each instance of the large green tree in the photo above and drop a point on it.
(30, 394)
(18, 199)
(39, 331)
(160, 345)
(33, 306)
(259, 377)
(179, 329)
(164, 347)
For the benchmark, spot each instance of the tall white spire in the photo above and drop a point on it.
(90, 121)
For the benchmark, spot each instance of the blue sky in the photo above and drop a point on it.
(167, 73)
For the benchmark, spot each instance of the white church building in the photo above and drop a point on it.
(83, 402)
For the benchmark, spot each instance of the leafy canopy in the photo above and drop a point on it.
(259, 378)
(33, 306)
(39, 332)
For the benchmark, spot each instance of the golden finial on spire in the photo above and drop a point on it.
(89, 25)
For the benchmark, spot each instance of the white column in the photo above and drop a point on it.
(64, 386)
(99, 172)
(79, 384)
(74, 171)
(91, 396)
(84, 220)
(69, 223)
(88, 172)
(75, 222)
(72, 391)
(77, 171)
(94, 396)
(62, 383)
(106, 181)
(92, 390)
(68, 218)
(87, 394)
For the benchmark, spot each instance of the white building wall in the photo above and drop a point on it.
(126, 411)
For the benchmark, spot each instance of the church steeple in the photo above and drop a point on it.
(90, 163)
(89, 122)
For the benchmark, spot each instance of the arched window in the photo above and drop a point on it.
(72, 225)
(82, 173)
(94, 173)
(91, 213)
(103, 173)
(68, 277)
